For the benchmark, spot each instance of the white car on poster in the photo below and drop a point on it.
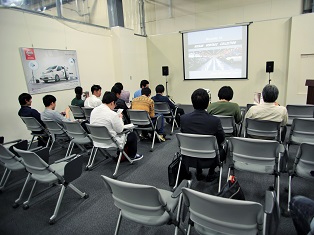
(55, 73)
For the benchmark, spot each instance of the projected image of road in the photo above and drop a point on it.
(218, 55)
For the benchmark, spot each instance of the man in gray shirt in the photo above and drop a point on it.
(51, 114)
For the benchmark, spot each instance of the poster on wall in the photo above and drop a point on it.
(48, 70)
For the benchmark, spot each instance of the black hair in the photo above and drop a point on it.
(119, 85)
(143, 83)
(225, 93)
(160, 88)
(109, 97)
(78, 91)
(95, 88)
(270, 93)
(116, 90)
(24, 97)
(48, 99)
(146, 91)
(200, 99)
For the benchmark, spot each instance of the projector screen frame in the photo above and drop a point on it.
(245, 77)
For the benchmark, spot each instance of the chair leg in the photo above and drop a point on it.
(189, 230)
(69, 150)
(79, 192)
(92, 157)
(117, 166)
(30, 143)
(154, 137)
(178, 174)
(25, 204)
(16, 202)
(118, 223)
(289, 192)
(55, 213)
(5, 178)
(53, 141)
(220, 178)
(278, 189)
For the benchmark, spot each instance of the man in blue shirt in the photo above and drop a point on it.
(143, 84)
(160, 89)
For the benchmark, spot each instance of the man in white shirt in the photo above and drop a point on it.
(94, 100)
(104, 115)
(270, 110)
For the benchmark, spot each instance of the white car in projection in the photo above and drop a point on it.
(55, 73)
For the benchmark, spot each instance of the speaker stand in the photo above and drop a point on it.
(167, 86)
(269, 78)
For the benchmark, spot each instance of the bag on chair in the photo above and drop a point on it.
(173, 171)
(232, 189)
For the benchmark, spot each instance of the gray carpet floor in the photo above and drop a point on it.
(98, 215)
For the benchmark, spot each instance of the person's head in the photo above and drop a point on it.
(116, 90)
(78, 92)
(270, 93)
(144, 83)
(25, 99)
(96, 90)
(225, 93)
(49, 101)
(200, 99)
(109, 99)
(119, 85)
(160, 89)
(146, 91)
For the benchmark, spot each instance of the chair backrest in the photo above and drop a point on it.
(228, 124)
(139, 117)
(262, 129)
(299, 111)
(101, 135)
(54, 127)
(302, 130)
(32, 124)
(8, 157)
(248, 106)
(33, 163)
(75, 130)
(217, 215)
(77, 112)
(255, 155)
(162, 107)
(200, 146)
(304, 161)
(136, 199)
(87, 111)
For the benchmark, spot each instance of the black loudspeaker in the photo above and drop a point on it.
(269, 66)
(165, 70)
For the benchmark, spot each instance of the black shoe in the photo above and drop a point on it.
(212, 177)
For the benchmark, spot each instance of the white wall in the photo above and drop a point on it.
(268, 40)
(95, 49)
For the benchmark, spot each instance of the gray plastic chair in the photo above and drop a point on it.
(217, 215)
(164, 108)
(62, 172)
(57, 133)
(77, 112)
(229, 125)
(303, 166)
(87, 111)
(198, 146)
(257, 156)
(36, 129)
(299, 111)
(262, 129)
(10, 161)
(142, 120)
(144, 204)
(102, 137)
(78, 136)
(302, 130)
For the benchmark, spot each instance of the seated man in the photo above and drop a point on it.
(125, 95)
(120, 104)
(203, 123)
(25, 101)
(143, 84)
(145, 103)
(270, 110)
(160, 89)
(224, 106)
(94, 100)
(104, 115)
(51, 114)
(78, 101)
